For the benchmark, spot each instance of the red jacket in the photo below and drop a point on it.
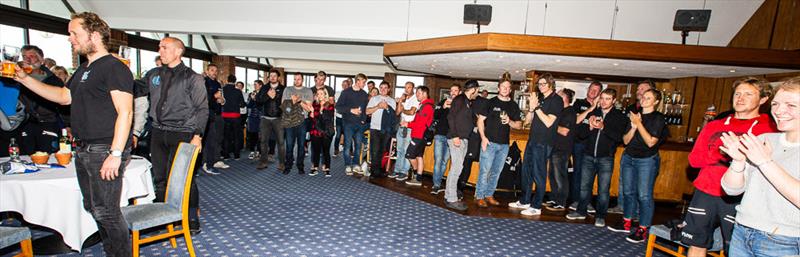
(422, 120)
(707, 157)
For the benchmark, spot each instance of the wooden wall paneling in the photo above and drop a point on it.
(786, 30)
(705, 94)
(758, 29)
(392, 79)
(781, 76)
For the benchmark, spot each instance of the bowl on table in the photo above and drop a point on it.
(64, 158)
(40, 157)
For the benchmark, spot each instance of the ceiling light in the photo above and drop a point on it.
(732, 71)
(431, 68)
(616, 64)
(467, 74)
(500, 56)
(524, 69)
(558, 60)
(435, 60)
(674, 68)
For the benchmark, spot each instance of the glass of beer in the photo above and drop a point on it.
(10, 58)
(123, 54)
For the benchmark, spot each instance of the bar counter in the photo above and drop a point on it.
(673, 179)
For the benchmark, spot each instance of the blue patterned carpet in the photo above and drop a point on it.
(246, 212)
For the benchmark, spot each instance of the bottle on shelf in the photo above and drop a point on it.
(13, 149)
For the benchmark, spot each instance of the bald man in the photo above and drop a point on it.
(173, 88)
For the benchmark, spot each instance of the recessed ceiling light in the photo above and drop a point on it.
(733, 71)
(465, 58)
(616, 64)
(467, 74)
(524, 69)
(558, 60)
(431, 68)
(435, 60)
(674, 68)
(500, 56)
(449, 72)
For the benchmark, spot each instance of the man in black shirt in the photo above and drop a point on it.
(441, 153)
(179, 114)
(270, 97)
(460, 118)
(101, 94)
(562, 150)
(543, 115)
(231, 117)
(606, 126)
(474, 143)
(214, 129)
(581, 141)
(494, 125)
(40, 131)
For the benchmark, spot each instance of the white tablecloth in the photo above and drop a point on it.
(52, 198)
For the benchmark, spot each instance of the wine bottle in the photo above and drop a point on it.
(64, 145)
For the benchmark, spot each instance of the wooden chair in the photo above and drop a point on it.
(176, 207)
(661, 231)
(12, 235)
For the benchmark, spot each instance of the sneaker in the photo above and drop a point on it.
(436, 190)
(194, 227)
(459, 206)
(549, 203)
(413, 182)
(590, 209)
(327, 173)
(637, 236)
(575, 216)
(393, 175)
(531, 212)
(348, 171)
(313, 172)
(599, 222)
(262, 165)
(518, 205)
(221, 165)
(251, 156)
(617, 210)
(622, 227)
(460, 194)
(357, 170)
(573, 206)
(209, 171)
(401, 177)
(556, 207)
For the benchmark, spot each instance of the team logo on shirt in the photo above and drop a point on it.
(85, 76)
(496, 109)
(156, 81)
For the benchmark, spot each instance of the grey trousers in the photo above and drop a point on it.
(457, 155)
(271, 129)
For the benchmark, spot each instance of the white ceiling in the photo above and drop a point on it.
(327, 30)
(491, 65)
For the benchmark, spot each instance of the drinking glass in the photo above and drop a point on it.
(10, 58)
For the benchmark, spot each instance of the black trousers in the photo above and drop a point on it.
(163, 145)
(212, 140)
(252, 141)
(378, 144)
(321, 151)
(233, 138)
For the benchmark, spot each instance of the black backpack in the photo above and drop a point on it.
(430, 132)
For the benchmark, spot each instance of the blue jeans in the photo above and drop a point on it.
(101, 197)
(575, 179)
(353, 137)
(602, 167)
(534, 170)
(747, 242)
(559, 161)
(402, 165)
(639, 176)
(492, 161)
(441, 154)
(295, 135)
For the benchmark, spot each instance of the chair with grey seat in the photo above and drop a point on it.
(663, 232)
(12, 235)
(175, 209)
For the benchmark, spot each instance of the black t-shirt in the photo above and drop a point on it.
(440, 119)
(494, 129)
(582, 130)
(212, 86)
(93, 113)
(656, 125)
(540, 133)
(566, 119)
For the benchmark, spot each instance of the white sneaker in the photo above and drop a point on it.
(251, 155)
(518, 205)
(531, 212)
(348, 171)
(357, 170)
(221, 165)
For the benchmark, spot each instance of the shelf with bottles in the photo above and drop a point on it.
(674, 106)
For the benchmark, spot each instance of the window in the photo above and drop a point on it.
(11, 36)
(54, 46)
(182, 37)
(186, 61)
(401, 83)
(153, 35)
(148, 60)
(198, 66)
(241, 74)
(197, 43)
(14, 3)
(55, 8)
(134, 57)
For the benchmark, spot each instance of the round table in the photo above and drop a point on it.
(52, 198)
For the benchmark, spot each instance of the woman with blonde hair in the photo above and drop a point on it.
(322, 130)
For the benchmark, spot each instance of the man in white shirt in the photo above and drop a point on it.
(407, 105)
(379, 133)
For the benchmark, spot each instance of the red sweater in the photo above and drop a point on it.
(422, 120)
(707, 157)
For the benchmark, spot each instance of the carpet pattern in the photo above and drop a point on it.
(247, 212)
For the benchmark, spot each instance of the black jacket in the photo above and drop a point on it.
(603, 143)
(234, 100)
(178, 99)
(459, 118)
(271, 106)
(440, 123)
(38, 108)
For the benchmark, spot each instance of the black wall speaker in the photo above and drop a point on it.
(479, 14)
(691, 20)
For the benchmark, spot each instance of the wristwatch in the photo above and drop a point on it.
(116, 153)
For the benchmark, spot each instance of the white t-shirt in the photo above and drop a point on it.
(407, 105)
(375, 122)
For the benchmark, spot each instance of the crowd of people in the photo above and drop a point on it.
(109, 114)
